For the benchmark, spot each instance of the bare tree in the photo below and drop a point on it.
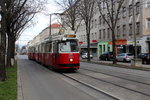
(70, 15)
(112, 10)
(86, 11)
(19, 14)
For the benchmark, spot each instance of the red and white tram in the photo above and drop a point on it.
(31, 53)
(59, 52)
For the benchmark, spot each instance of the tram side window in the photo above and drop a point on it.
(36, 50)
(33, 49)
(43, 48)
(39, 49)
(29, 50)
(55, 47)
(50, 47)
(47, 48)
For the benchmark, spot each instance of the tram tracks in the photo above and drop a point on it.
(118, 76)
(119, 85)
(144, 92)
(92, 87)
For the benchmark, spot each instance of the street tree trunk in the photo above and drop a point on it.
(88, 46)
(2, 51)
(2, 61)
(88, 40)
(10, 50)
(114, 46)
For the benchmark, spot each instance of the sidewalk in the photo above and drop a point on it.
(119, 64)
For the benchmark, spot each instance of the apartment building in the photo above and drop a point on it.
(44, 34)
(101, 37)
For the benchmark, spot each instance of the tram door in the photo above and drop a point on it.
(55, 54)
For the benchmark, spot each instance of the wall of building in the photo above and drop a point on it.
(100, 33)
(146, 14)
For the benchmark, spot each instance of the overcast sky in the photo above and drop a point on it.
(41, 20)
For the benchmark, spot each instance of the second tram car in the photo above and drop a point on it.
(59, 52)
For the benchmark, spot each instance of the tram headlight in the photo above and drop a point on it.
(71, 60)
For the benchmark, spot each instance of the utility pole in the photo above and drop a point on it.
(50, 25)
(50, 22)
(134, 31)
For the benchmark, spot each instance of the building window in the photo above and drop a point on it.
(92, 36)
(100, 20)
(148, 3)
(103, 19)
(104, 48)
(108, 33)
(138, 28)
(108, 16)
(92, 24)
(148, 23)
(118, 31)
(130, 29)
(95, 36)
(100, 5)
(124, 30)
(95, 23)
(104, 4)
(124, 12)
(130, 10)
(100, 34)
(104, 34)
(119, 14)
(137, 8)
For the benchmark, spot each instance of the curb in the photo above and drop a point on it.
(19, 85)
(118, 65)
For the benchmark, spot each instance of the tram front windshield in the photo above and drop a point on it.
(69, 46)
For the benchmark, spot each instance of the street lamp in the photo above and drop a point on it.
(50, 28)
(134, 32)
(135, 62)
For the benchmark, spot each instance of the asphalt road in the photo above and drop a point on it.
(40, 83)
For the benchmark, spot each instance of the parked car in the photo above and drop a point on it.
(146, 58)
(106, 56)
(126, 57)
(85, 56)
(142, 55)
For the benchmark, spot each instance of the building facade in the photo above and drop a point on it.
(44, 34)
(101, 37)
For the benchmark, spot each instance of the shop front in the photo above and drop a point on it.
(148, 44)
(131, 48)
(145, 44)
(120, 46)
(93, 49)
(103, 47)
